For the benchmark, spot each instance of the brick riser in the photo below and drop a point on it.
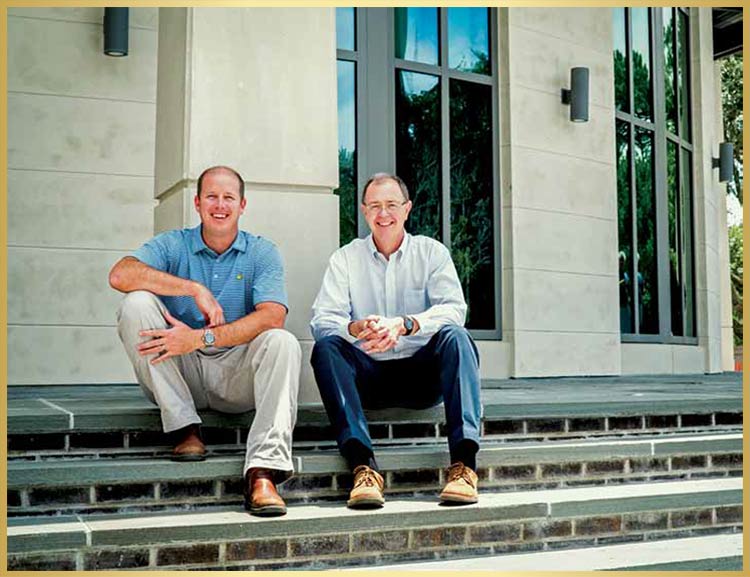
(330, 487)
(389, 546)
(151, 442)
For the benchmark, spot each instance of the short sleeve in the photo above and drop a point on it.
(269, 283)
(157, 252)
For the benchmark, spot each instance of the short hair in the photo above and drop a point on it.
(379, 177)
(228, 169)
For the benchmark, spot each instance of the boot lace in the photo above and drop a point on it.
(459, 471)
(365, 476)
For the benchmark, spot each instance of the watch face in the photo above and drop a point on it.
(208, 338)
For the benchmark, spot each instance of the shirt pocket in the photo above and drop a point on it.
(415, 301)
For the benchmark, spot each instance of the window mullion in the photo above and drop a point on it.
(631, 161)
(445, 149)
(660, 173)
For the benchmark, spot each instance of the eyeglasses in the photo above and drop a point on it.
(389, 207)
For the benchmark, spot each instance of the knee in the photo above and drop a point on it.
(282, 341)
(326, 347)
(135, 304)
(455, 334)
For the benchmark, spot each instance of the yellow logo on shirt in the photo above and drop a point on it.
(239, 276)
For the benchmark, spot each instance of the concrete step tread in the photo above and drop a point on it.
(713, 551)
(228, 523)
(122, 469)
(123, 408)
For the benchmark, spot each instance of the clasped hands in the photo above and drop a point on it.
(180, 339)
(380, 334)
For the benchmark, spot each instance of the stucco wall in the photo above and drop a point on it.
(80, 182)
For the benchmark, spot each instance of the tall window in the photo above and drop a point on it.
(428, 113)
(654, 188)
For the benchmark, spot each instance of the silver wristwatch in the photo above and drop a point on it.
(208, 338)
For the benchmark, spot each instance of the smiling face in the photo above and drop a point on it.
(385, 210)
(219, 204)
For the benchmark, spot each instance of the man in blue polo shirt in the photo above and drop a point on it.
(202, 324)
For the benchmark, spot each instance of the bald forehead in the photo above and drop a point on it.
(220, 171)
(385, 187)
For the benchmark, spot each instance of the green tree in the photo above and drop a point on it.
(347, 192)
(731, 100)
(735, 275)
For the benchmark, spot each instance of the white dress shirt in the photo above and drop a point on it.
(419, 280)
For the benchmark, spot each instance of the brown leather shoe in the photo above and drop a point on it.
(461, 488)
(190, 447)
(261, 497)
(368, 489)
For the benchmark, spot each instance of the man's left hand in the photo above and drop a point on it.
(389, 330)
(167, 343)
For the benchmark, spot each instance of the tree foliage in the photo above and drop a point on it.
(731, 100)
(735, 274)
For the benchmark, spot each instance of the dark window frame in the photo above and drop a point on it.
(658, 127)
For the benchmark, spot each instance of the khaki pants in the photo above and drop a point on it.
(262, 374)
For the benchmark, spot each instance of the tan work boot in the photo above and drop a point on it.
(190, 447)
(368, 489)
(461, 487)
(261, 497)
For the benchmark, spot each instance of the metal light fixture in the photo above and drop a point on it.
(725, 162)
(116, 31)
(577, 97)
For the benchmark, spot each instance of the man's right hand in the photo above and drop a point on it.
(209, 306)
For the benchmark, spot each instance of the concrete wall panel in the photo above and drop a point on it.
(688, 359)
(587, 27)
(644, 359)
(139, 17)
(66, 58)
(80, 135)
(549, 181)
(495, 359)
(79, 210)
(564, 242)
(61, 287)
(561, 354)
(550, 61)
(553, 301)
(275, 70)
(541, 122)
(39, 355)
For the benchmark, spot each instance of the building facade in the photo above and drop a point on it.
(591, 248)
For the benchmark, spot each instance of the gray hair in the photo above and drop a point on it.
(379, 177)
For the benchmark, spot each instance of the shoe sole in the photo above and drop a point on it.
(268, 511)
(458, 499)
(185, 458)
(365, 503)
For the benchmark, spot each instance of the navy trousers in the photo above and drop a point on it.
(445, 369)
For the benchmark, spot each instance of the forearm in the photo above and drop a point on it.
(130, 274)
(437, 316)
(248, 327)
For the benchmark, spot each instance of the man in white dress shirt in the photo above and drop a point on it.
(388, 325)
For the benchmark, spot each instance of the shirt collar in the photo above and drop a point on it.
(400, 251)
(197, 244)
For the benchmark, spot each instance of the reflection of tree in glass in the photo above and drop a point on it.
(471, 197)
(621, 80)
(347, 192)
(641, 86)
(669, 72)
(646, 226)
(418, 154)
(625, 227)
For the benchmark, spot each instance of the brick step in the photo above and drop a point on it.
(95, 419)
(710, 553)
(329, 535)
(54, 486)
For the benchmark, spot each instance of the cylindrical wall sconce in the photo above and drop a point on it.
(577, 97)
(725, 162)
(116, 31)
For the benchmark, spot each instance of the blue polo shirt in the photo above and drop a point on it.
(247, 273)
